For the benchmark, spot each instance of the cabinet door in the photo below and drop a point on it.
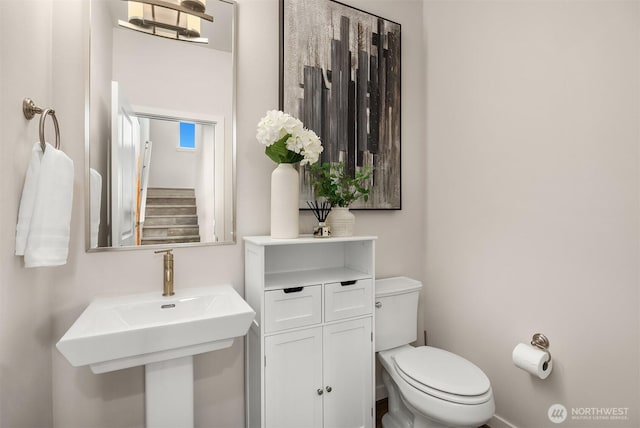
(293, 379)
(348, 396)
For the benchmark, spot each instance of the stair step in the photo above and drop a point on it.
(171, 240)
(169, 220)
(174, 200)
(161, 192)
(168, 232)
(171, 226)
(170, 210)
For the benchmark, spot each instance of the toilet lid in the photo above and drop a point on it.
(443, 371)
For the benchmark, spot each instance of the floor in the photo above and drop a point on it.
(381, 409)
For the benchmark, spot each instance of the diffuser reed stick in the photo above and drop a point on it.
(321, 211)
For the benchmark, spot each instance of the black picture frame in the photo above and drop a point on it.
(342, 79)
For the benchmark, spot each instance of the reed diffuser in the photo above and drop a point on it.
(321, 211)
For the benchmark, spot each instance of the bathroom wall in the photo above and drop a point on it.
(170, 166)
(25, 295)
(39, 387)
(199, 75)
(529, 219)
(532, 198)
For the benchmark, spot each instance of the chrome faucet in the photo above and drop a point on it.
(167, 288)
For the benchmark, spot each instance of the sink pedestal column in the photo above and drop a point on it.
(169, 393)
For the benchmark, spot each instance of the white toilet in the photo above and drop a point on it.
(426, 386)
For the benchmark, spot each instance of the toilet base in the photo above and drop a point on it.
(398, 414)
(391, 421)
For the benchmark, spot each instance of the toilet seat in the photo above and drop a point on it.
(443, 375)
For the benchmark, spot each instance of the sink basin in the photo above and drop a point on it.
(119, 332)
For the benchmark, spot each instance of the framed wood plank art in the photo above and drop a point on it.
(340, 75)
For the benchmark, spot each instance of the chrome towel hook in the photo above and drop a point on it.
(30, 109)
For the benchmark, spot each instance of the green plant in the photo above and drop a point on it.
(331, 182)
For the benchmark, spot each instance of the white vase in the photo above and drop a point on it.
(285, 189)
(341, 221)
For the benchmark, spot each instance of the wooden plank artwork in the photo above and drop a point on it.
(341, 77)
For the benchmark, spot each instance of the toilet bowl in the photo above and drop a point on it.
(427, 387)
(438, 389)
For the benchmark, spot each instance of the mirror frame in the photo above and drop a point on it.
(87, 144)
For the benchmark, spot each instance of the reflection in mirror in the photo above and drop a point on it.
(160, 148)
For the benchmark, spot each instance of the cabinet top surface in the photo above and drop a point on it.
(305, 239)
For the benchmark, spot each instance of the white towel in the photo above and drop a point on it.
(95, 181)
(28, 199)
(47, 237)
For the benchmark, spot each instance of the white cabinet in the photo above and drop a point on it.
(293, 379)
(310, 359)
(347, 373)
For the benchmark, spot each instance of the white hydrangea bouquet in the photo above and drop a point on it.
(287, 140)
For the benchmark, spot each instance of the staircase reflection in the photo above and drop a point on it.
(171, 217)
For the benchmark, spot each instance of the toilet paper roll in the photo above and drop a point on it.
(532, 360)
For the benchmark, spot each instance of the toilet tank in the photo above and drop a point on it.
(396, 311)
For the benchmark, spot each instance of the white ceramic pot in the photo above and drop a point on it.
(285, 190)
(341, 221)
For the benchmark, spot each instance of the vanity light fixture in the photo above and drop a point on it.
(173, 19)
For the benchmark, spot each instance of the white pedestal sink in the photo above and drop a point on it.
(169, 393)
(161, 333)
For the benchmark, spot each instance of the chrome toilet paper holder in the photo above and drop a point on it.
(540, 341)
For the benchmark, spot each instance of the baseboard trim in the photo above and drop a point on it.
(498, 422)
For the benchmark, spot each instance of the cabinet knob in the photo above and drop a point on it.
(378, 304)
(320, 391)
(329, 389)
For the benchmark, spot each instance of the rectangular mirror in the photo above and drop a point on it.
(160, 149)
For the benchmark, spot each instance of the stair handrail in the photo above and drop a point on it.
(144, 181)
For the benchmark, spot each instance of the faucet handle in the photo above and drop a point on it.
(168, 254)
